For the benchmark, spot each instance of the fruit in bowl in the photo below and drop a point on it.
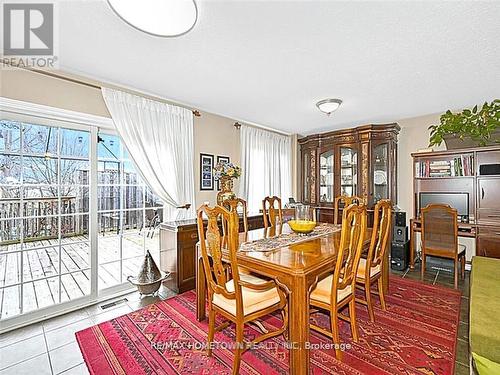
(302, 226)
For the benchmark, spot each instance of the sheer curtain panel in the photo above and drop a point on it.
(266, 162)
(159, 139)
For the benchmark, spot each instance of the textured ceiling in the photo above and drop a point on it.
(268, 62)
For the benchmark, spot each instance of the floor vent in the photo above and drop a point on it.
(114, 303)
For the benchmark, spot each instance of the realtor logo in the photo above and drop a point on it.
(28, 30)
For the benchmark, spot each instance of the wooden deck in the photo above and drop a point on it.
(41, 269)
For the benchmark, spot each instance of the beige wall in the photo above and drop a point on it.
(214, 135)
(414, 135)
(37, 88)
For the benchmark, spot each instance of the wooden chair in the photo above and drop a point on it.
(232, 206)
(337, 290)
(241, 299)
(440, 236)
(347, 201)
(371, 268)
(273, 215)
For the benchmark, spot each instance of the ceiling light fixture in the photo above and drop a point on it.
(164, 18)
(328, 105)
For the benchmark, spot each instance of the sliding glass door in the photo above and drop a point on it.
(75, 217)
(44, 216)
(128, 214)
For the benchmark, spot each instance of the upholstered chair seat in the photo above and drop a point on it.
(374, 270)
(253, 300)
(323, 291)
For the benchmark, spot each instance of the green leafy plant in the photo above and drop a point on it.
(477, 124)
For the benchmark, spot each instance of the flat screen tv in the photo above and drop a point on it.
(460, 201)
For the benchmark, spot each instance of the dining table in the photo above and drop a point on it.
(296, 268)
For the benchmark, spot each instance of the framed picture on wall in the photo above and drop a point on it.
(224, 159)
(206, 172)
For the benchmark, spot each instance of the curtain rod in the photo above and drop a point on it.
(91, 85)
(83, 83)
(238, 124)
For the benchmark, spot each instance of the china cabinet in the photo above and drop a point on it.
(360, 161)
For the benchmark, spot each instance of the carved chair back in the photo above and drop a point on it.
(351, 245)
(212, 246)
(272, 211)
(232, 206)
(382, 221)
(345, 201)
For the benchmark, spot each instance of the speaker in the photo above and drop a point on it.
(400, 219)
(400, 255)
(400, 234)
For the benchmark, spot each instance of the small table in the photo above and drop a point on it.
(296, 268)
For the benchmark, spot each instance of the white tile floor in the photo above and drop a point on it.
(50, 347)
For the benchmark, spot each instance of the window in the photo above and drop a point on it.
(266, 159)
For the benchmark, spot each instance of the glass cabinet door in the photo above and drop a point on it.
(348, 171)
(326, 193)
(380, 172)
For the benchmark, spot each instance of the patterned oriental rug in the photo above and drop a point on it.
(416, 335)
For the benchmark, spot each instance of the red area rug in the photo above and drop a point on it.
(415, 335)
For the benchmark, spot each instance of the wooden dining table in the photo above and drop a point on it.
(296, 268)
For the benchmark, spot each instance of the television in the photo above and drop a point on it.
(459, 201)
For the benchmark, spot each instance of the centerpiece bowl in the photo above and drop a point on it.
(302, 226)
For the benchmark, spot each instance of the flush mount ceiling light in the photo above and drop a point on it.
(328, 105)
(165, 18)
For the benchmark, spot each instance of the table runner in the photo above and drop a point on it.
(287, 239)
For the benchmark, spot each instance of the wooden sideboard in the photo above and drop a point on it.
(360, 161)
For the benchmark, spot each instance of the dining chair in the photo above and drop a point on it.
(370, 270)
(273, 215)
(232, 206)
(345, 201)
(335, 291)
(440, 236)
(241, 299)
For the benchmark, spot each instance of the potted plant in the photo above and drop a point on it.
(469, 128)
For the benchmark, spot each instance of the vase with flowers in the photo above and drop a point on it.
(225, 173)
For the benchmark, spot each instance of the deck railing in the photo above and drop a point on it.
(41, 218)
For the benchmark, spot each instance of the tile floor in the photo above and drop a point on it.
(50, 347)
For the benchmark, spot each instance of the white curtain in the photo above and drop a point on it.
(159, 139)
(266, 164)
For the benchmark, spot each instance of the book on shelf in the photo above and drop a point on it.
(456, 167)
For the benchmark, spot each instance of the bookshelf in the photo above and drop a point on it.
(446, 172)
(444, 166)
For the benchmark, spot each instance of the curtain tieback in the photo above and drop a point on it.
(186, 206)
